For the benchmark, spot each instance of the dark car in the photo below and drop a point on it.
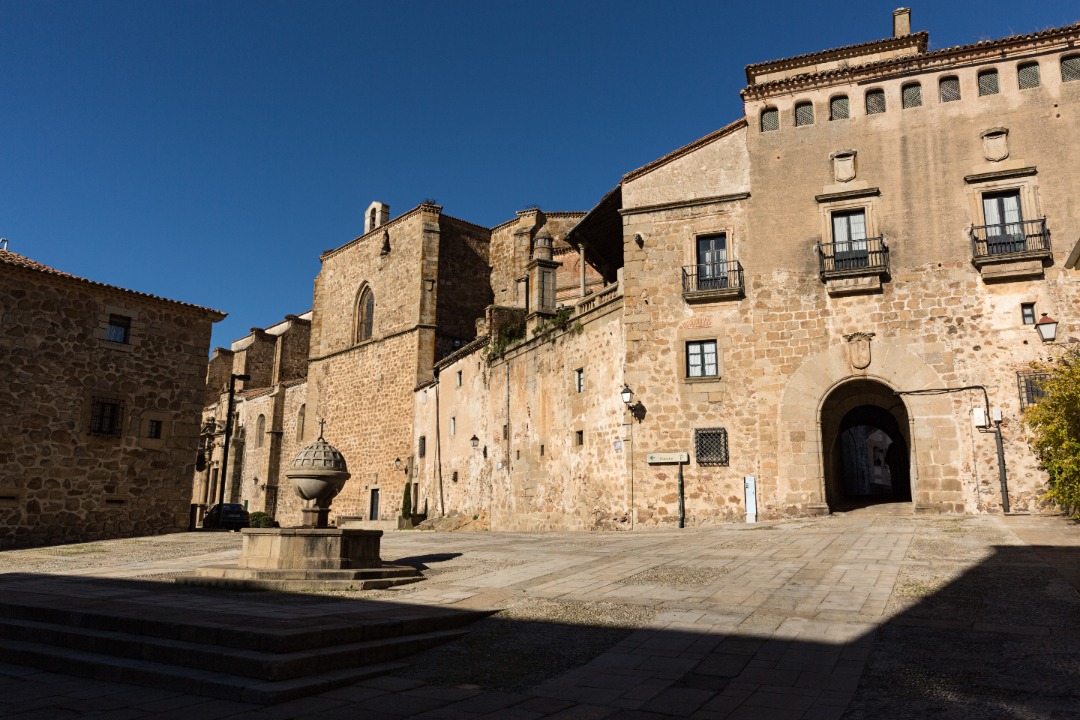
(230, 516)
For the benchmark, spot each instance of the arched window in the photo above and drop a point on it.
(911, 95)
(988, 82)
(300, 422)
(260, 431)
(1027, 75)
(949, 89)
(770, 119)
(839, 108)
(1070, 68)
(804, 114)
(875, 101)
(365, 315)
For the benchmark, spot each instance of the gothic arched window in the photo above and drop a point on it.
(365, 315)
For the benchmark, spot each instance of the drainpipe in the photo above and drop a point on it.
(438, 446)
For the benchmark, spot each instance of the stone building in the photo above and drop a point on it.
(99, 405)
(824, 301)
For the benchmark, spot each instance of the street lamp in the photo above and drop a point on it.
(228, 433)
(627, 395)
(474, 441)
(1047, 328)
(636, 409)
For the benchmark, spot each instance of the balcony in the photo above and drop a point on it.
(853, 266)
(1011, 249)
(712, 281)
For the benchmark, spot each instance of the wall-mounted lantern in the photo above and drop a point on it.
(1047, 328)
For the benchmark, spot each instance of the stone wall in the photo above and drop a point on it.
(58, 481)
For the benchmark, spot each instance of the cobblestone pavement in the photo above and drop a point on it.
(864, 615)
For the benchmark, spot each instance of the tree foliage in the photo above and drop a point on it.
(1054, 424)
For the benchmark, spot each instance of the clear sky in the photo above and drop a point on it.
(209, 151)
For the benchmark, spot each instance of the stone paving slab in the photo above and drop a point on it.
(853, 616)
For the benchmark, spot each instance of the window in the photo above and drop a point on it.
(453, 426)
(541, 451)
(1004, 222)
(949, 89)
(1027, 75)
(839, 108)
(804, 114)
(260, 431)
(1027, 313)
(701, 358)
(579, 437)
(153, 431)
(875, 101)
(579, 380)
(421, 447)
(988, 83)
(1030, 386)
(912, 95)
(105, 417)
(506, 431)
(1070, 69)
(711, 446)
(300, 417)
(849, 240)
(712, 262)
(119, 329)
(365, 315)
(770, 119)
(459, 378)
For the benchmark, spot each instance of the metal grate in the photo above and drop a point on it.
(912, 95)
(875, 102)
(839, 108)
(804, 114)
(950, 89)
(988, 83)
(105, 417)
(711, 446)
(1028, 76)
(1070, 69)
(1030, 386)
(770, 120)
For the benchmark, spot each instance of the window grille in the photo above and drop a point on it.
(421, 447)
(1070, 69)
(770, 119)
(711, 446)
(804, 114)
(1030, 386)
(988, 82)
(839, 108)
(950, 89)
(912, 95)
(105, 417)
(875, 102)
(1027, 76)
(119, 329)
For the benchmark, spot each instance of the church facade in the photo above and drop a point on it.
(829, 302)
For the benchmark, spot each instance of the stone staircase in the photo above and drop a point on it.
(217, 644)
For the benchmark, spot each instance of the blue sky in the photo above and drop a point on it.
(209, 151)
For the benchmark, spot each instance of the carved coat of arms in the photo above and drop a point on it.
(859, 349)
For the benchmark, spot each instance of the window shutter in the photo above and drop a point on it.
(804, 114)
(912, 95)
(875, 102)
(988, 82)
(1070, 69)
(1028, 76)
(770, 119)
(839, 108)
(950, 89)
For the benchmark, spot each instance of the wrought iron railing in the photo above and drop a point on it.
(705, 277)
(1027, 236)
(869, 256)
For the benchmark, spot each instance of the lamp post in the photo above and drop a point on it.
(1047, 328)
(228, 434)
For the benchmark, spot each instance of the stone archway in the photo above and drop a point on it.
(865, 441)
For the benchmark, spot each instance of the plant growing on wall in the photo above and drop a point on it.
(1054, 424)
(506, 337)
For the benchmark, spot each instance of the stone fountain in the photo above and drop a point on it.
(314, 556)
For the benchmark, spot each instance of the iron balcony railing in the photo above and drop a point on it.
(709, 277)
(1026, 236)
(869, 256)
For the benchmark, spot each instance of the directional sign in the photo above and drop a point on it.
(669, 458)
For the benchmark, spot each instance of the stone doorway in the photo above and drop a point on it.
(866, 445)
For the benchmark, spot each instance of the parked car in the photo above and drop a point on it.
(230, 516)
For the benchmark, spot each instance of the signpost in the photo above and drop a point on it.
(673, 458)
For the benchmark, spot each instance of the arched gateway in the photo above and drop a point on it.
(845, 438)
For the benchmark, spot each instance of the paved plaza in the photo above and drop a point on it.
(864, 615)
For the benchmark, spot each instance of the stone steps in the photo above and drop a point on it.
(203, 642)
(237, 578)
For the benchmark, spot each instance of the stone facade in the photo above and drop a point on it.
(100, 403)
(822, 301)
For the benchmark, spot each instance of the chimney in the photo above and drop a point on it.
(901, 22)
(377, 214)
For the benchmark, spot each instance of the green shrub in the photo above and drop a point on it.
(261, 520)
(1054, 424)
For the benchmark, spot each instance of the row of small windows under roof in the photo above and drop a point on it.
(1027, 77)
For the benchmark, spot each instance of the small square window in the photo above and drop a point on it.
(579, 380)
(701, 359)
(949, 89)
(1031, 387)
(770, 119)
(711, 446)
(579, 437)
(105, 417)
(839, 108)
(875, 102)
(1070, 69)
(1027, 313)
(153, 431)
(912, 95)
(1027, 76)
(119, 329)
(804, 114)
(988, 82)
